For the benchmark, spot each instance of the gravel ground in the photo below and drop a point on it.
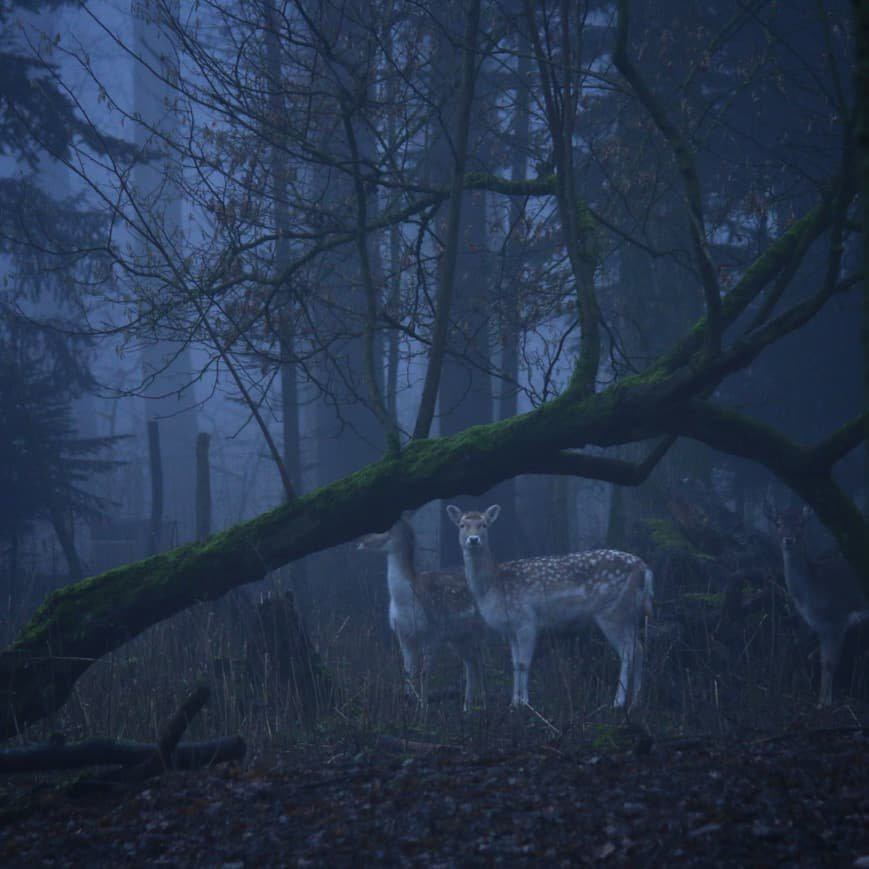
(800, 798)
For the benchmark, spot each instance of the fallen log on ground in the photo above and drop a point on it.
(133, 761)
(112, 752)
(170, 734)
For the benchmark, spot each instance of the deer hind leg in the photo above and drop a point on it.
(623, 637)
(636, 669)
(832, 638)
(522, 643)
(414, 670)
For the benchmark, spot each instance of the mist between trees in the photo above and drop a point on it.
(339, 260)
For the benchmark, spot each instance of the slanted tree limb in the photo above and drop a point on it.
(794, 465)
(170, 733)
(601, 467)
(845, 439)
(560, 90)
(779, 258)
(685, 163)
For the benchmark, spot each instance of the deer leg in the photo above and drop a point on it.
(522, 644)
(413, 670)
(832, 639)
(474, 694)
(637, 669)
(424, 671)
(624, 641)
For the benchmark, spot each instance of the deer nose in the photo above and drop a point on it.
(473, 540)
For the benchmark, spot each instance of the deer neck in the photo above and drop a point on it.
(401, 577)
(480, 571)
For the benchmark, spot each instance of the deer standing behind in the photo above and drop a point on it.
(427, 610)
(521, 598)
(829, 600)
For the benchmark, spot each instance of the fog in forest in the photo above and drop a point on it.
(596, 263)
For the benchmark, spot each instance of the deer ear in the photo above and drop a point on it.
(806, 512)
(492, 513)
(454, 513)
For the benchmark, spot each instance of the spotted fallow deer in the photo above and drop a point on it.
(427, 610)
(829, 599)
(522, 598)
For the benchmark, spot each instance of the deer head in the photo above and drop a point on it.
(789, 524)
(399, 538)
(473, 526)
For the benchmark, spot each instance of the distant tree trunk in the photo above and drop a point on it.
(281, 172)
(465, 393)
(347, 432)
(861, 10)
(515, 539)
(10, 598)
(156, 185)
(63, 523)
(155, 462)
(281, 629)
(203, 486)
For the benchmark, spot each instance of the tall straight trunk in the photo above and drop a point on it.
(459, 358)
(861, 11)
(347, 432)
(203, 486)
(63, 523)
(393, 306)
(156, 185)
(280, 178)
(515, 539)
(12, 589)
(155, 462)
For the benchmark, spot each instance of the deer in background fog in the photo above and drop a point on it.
(521, 598)
(829, 600)
(427, 610)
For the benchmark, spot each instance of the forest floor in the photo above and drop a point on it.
(800, 797)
